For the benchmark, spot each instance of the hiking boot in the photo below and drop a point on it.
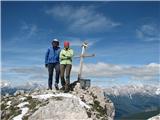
(49, 88)
(66, 91)
(63, 88)
(56, 86)
(66, 88)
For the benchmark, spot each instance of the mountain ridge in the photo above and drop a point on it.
(43, 104)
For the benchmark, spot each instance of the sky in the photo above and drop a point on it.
(124, 36)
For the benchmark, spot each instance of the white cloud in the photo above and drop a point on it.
(112, 71)
(148, 32)
(23, 35)
(78, 42)
(84, 19)
(34, 84)
(36, 70)
(29, 29)
(144, 72)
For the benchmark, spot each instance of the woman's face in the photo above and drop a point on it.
(66, 46)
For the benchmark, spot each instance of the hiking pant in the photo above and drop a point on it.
(65, 68)
(51, 67)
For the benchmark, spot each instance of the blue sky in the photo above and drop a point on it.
(124, 36)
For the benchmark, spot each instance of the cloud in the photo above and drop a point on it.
(148, 32)
(36, 70)
(82, 19)
(144, 72)
(29, 30)
(25, 33)
(75, 41)
(25, 73)
(27, 41)
(33, 84)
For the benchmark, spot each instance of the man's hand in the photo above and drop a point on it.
(46, 65)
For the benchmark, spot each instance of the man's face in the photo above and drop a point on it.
(55, 44)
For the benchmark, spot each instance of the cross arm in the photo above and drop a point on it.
(85, 55)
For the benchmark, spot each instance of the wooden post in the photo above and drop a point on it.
(82, 56)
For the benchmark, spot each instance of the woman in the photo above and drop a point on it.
(66, 55)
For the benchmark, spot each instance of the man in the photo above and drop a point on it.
(66, 55)
(52, 62)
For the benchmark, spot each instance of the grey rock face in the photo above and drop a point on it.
(157, 117)
(62, 109)
(19, 92)
(102, 107)
(70, 108)
(79, 104)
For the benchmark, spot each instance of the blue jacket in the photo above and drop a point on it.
(52, 55)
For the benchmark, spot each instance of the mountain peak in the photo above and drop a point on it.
(133, 89)
(51, 104)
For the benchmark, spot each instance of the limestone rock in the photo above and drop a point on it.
(62, 109)
(102, 106)
(19, 92)
(42, 104)
(157, 117)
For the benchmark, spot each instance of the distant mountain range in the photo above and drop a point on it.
(6, 88)
(132, 100)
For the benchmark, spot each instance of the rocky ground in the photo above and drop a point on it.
(157, 117)
(41, 104)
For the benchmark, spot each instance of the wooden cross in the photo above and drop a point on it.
(82, 56)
